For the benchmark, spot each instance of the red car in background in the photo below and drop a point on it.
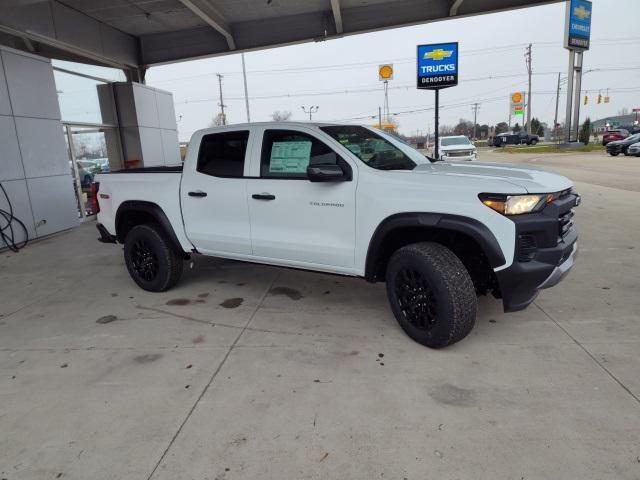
(613, 135)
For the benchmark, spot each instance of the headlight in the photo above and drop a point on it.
(516, 204)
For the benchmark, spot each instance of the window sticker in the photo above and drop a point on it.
(290, 157)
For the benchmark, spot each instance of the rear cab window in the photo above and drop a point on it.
(223, 154)
(286, 154)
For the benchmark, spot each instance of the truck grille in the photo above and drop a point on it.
(566, 222)
(458, 153)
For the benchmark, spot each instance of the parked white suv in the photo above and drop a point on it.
(456, 147)
(348, 200)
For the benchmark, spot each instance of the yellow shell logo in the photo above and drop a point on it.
(385, 72)
(516, 97)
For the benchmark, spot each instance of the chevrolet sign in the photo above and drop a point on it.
(578, 25)
(437, 65)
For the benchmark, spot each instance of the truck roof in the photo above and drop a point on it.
(239, 126)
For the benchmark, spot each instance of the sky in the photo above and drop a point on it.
(340, 76)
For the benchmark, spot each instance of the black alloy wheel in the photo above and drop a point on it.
(416, 298)
(144, 260)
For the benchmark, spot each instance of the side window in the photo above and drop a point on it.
(287, 154)
(222, 154)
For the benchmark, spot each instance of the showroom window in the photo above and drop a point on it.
(90, 125)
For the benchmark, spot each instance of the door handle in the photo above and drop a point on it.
(263, 196)
(198, 193)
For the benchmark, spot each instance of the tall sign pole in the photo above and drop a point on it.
(576, 39)
(437, 69)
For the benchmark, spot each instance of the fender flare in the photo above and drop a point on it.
(156, 212)
(471, 227)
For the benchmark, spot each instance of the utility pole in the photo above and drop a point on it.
(380, 117)
(555, 118)
(246, 92)
(475, 107)
(312, 109)
(221, 104)
(528, 60)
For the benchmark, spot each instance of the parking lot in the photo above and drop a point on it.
(247, 371)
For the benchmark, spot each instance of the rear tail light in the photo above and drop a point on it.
(95, 206)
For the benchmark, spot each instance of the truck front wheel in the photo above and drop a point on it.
(431, 294)
(152, 262)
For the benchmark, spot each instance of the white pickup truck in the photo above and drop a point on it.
(348, 200)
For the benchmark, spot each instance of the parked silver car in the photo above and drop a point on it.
(634, 149)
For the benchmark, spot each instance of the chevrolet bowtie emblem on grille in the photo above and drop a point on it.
(438, 54)
(581, 13)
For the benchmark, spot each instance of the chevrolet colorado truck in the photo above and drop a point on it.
(315, 196)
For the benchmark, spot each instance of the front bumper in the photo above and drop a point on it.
(546, 249)
(456, 158)
(614, 149)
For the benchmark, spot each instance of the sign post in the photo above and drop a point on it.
(437, 69)
(576, 39)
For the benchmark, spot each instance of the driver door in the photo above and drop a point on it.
(293, 220)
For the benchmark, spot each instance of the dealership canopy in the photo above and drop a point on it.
(136, 33)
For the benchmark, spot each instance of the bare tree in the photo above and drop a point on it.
(281, 116)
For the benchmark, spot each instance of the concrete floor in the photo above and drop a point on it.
(254, 372)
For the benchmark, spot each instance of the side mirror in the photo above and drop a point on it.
(326, 173)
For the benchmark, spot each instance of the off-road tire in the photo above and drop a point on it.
(168, 263)
(533, 142)
(449, 284)
(614, 154)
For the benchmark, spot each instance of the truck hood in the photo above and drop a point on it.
(532, 179)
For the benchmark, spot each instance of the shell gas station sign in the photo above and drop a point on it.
(516, 101)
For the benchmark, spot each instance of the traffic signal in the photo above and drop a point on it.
(599, 100)
(606, 99)
(586, 99)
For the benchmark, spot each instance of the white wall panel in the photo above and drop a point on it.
(151, 142)
(125, 104)
(5, 104)
(10, 162)
(171, 147)
(53, 203)
(44, 152)
(31, 86)
(166, 111)
(146, 106)
(19, 197)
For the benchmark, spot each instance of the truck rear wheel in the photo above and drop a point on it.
(431, 294)
(152, 262)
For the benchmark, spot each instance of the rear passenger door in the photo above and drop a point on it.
(214, 193)
(293, 220)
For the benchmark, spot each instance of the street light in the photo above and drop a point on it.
(312, 109)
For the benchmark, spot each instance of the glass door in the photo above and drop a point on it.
(93, 149)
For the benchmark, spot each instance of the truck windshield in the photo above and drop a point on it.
(374, 149)
(449, 141)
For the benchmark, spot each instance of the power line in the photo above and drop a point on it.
(377, 88)
(351, 66)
